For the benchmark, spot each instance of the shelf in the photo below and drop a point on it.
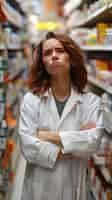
(101, 85)
(15, 48)
(108, 122)
(99, 160)
(94, 192)
(16, 74)
(110, 5)
(97, 48)
(12, 15)
(103, 14)
(11, 48)
(106, 175)
(72, 8)
(2, 48)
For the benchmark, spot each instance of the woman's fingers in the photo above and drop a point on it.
(88, 126)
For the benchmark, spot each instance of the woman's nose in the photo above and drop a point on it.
(54, 54)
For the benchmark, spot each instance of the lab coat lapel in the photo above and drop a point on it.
(72, 102)
(52, 106)
(54, 110)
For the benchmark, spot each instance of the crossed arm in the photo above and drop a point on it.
(47, 135)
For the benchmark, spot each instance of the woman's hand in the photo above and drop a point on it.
(67, 156)
(88, 126)
(62, 156)
(47, 135)
(43, 135)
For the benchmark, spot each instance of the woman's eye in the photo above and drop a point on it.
(46, 53)
(50, 51)
(60, 50)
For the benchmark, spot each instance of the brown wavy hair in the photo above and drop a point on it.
(39, 79)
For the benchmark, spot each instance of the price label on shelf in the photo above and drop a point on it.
(3, 129)
(3, 141)
(3, 64)
(2, 110)
(1, 76)
(2, 95)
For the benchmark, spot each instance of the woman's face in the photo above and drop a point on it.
(55, 58)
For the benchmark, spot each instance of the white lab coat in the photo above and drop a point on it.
(47, 178)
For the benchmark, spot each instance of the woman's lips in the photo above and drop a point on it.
(55, 62)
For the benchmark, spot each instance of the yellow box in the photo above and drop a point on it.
(102, 64)
(101, 32)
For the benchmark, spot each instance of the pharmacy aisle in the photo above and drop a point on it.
(89, 23)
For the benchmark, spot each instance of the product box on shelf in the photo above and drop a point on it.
(101, 32)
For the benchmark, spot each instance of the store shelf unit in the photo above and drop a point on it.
(12, 15)
(98, 54)
(97, 48)
(102, 14)
(11, 90)
(3, 124)
(101, 77)
(12, 68)
(101, 85)
(72, 6)
(98, 51)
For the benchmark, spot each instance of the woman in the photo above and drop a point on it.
(60, 124)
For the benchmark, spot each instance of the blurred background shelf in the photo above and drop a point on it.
(100, 85)
(102, 14)
(98, 47)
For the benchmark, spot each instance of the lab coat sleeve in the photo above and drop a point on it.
(85, 142)
(34, 150)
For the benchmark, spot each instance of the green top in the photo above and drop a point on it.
(60, 106)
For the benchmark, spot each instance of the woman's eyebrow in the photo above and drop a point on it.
(48, 49)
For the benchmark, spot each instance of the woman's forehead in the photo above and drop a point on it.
(52, 43)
